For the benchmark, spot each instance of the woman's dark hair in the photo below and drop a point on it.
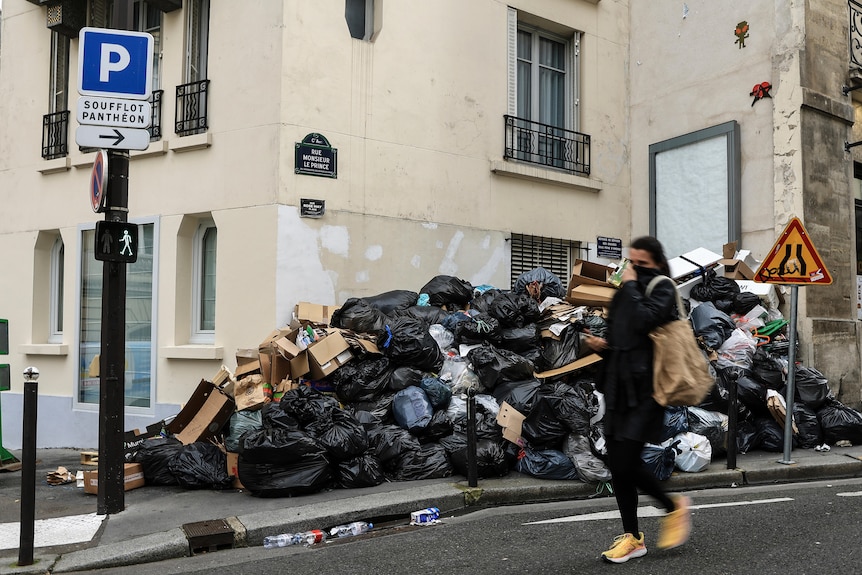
(652, 246)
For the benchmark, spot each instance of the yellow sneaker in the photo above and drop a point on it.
(625, 547)
(676, 525)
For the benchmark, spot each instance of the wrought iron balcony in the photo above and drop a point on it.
(547, 145)
(156, 119)
(55, 135)
(191, 110)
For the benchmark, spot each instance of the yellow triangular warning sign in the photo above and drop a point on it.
(793, 260)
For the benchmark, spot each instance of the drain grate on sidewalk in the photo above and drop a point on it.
(207, 536)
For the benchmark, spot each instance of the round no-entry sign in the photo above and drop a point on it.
(98, 180)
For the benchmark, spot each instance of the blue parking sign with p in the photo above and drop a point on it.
(115, 63)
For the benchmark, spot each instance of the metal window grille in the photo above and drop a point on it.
(155, 128)
(553, 254)
(546, 145)
(191, 110)
(855, 33)
(55, 134)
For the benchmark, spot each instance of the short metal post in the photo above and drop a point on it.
(732, 416)
(472, 470)
(28, 469)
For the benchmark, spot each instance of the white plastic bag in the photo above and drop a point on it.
(737, 350)
(694, 452)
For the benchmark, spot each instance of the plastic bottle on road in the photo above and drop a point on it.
(355, 528)
(309, 538)
(425, 516)
(282, 540)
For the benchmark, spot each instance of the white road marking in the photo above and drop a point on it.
(650, 511)
(57, 531)
(850, 494)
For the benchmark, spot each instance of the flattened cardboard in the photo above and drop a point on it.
(570, 367)
(511, 420)
(133, 477)
(589, 273)
(233, 469)
(591, 295)
(249, 368)
(204, 415)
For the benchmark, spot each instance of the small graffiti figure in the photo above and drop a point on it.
(741, 33)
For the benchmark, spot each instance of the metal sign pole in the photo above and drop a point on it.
(791, 379)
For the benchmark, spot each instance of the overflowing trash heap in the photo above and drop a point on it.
(376, 390)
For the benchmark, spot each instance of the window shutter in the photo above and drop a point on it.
(574, 80)
(98, 13)
(512, 60)
(553, 254)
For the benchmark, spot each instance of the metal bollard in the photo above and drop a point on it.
(28, 469)
(472, 469)
(732, 416)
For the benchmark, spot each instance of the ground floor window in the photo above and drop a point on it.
(139, 386)
(553, 254)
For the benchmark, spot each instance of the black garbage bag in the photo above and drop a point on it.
(200, 465)
(659, 460)
(405, 376)
(746, 436)
(438, 393)
(545, 464)
(768, 369)
(439, 427)
(443, 290)
(411, 409)
(358, 315)
(593, 324)
(366, 418)
(363, 471)
(427, 462)
(719, 395)
(840, 422)
(810, 435)
(155, 456)
(361, 379)
(519, 394)
(272, 415)
(812, 387)
(675, 422)
(549, 284)
(239, 423)
(543, 427)
(478, 329)
(490, 456)
(493, 366)
(711, 325)
(770, 435)
(590, 469)
(388, 442)
(572, 405)
(559, 352)
(406, 341)
(482, 302)
(520, 339)
(751, 393)
(392, 301)
(745, 302)
(345, 439)
(309, 474)
(427, 314)
(277, 445)
(514, 310)
(710, 424)
(719, 290)
(307, 404)
(380, 408)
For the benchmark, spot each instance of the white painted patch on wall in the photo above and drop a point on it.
(448, 265)
(299, 272)
(335, 239)
(485, 273)
(374, 253)
(439, 244)
(429, 225)
(416, 261)
(486, 242)
(362, 277)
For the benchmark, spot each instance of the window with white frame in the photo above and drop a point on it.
(197, 39)
(204, 283)
(148, 18)
(59, 80)
(139, 380)
(55, 303)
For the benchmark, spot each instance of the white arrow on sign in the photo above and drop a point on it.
(114, 112)
(112, 138)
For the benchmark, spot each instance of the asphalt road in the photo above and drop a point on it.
(810, 528)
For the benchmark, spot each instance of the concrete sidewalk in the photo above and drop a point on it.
(150, 528)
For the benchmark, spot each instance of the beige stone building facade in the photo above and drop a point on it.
(473, 139)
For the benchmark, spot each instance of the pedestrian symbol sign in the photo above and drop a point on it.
(793, 260)
(116, 242)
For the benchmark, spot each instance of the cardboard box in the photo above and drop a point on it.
(133, 477)
(133, 439)
(249, 394)
(306, 312)
(328, 354)
(591, 295)
(246, 369)
(204, 415)
(689, 264)
(244, 356)
(233, 469)
(735, 264)
(589, 273)
(511, 420)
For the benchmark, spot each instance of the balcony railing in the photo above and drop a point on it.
(156, 119)
(191, 111)
(547, 145)
(855, 33)
(55, 135)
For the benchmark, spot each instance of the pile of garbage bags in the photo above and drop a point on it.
(401, 414)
